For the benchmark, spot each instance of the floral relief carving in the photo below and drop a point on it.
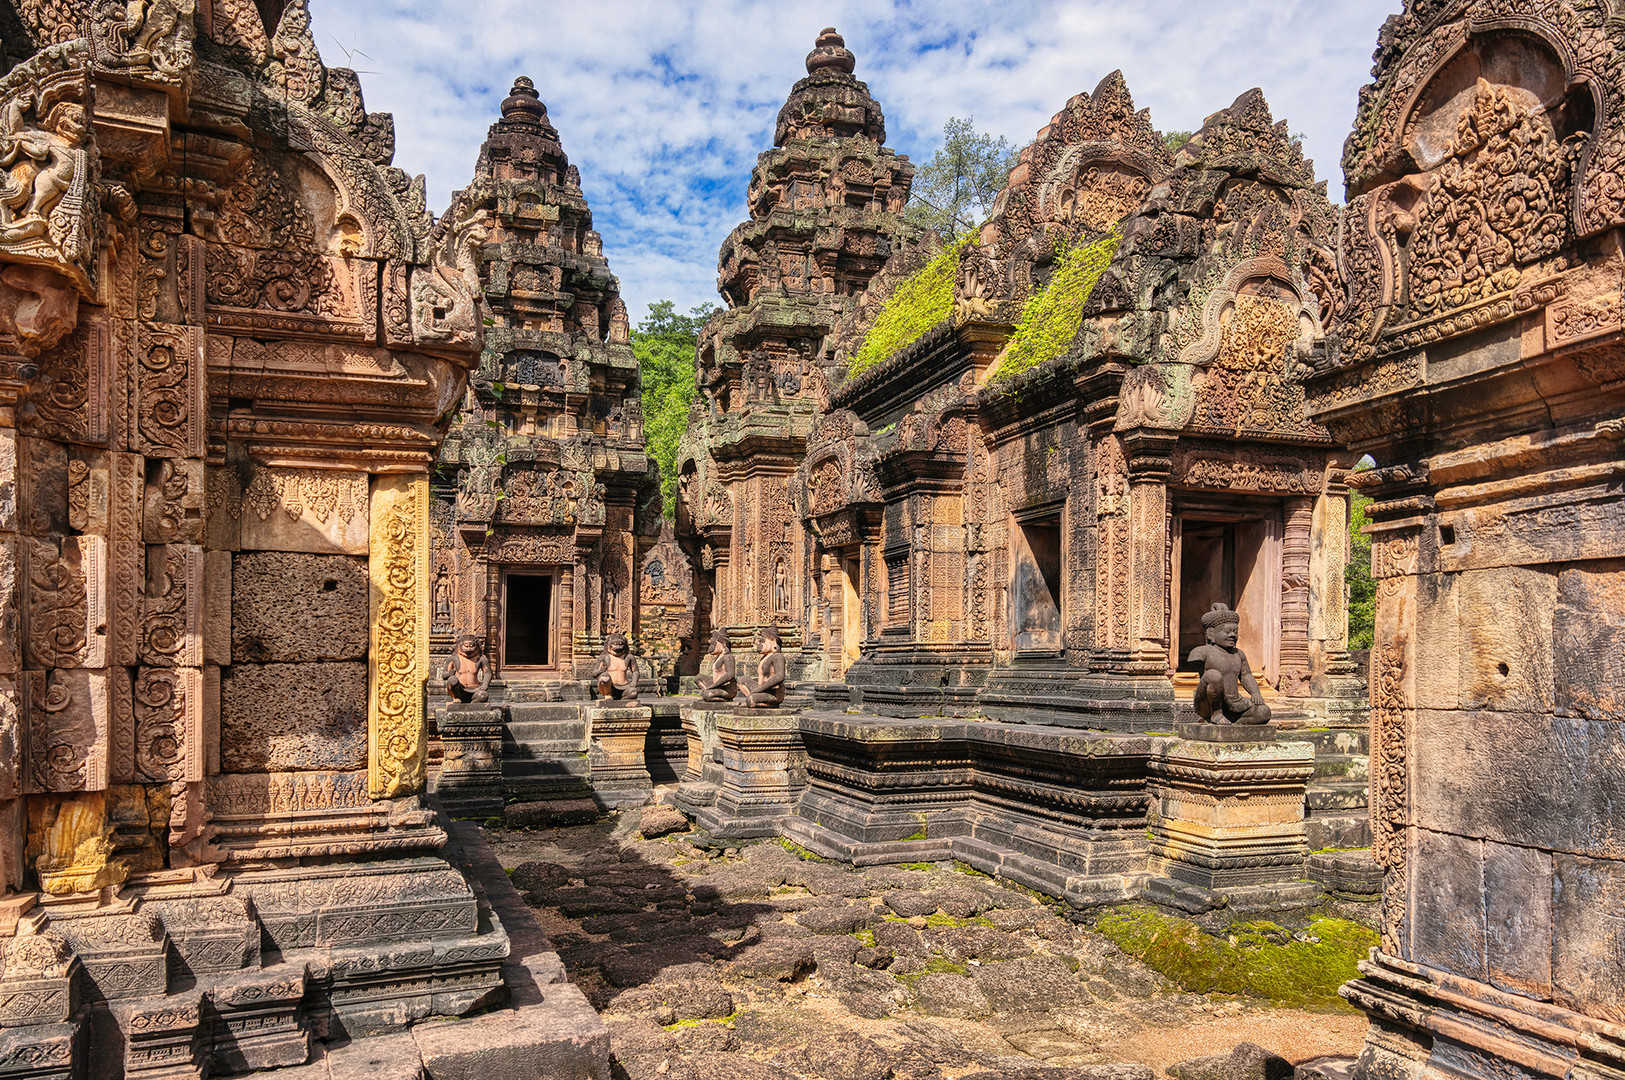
(398, 566)
(171, 610)
(168, 391)
(168, 724)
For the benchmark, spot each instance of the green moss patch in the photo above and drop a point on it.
(1051, 318)
(923, 299)
(1258, 959)
(934, 966)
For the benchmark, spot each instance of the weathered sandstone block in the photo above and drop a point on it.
(293, 717)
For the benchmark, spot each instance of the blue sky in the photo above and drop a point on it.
(664, 105)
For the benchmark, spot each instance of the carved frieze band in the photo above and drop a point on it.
(398, 565)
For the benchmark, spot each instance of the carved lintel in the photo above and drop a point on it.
(399, 567)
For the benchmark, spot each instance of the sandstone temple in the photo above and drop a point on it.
(328, 523)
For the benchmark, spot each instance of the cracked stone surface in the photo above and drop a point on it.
(710, 960)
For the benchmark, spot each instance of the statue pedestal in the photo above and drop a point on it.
(470, 781)
(618, 733)
(1227, 825)
(746, 769)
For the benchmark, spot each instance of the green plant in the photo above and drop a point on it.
(664, 344)
(1258, 959)
(1362, 591)
(923, 299)
(1050, 319)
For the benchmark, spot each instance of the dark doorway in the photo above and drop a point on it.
(527, 636)
(1035, 587)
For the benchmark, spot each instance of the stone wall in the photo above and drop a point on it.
(1475, 355)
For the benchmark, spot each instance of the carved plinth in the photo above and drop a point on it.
(470, 781)
(1228, 820)
(700, 732)
(620, 777)
(751, 766)
(1054, 809)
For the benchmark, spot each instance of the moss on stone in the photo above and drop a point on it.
(1258, 959)
(923, 299)
(934, 966)
(1051, 317)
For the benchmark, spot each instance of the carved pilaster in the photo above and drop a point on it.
(1296, 556)
(1149, 462)
(398, 564)
(166, 397)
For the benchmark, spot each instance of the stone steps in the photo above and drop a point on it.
(1343, 830)
(1351, 795)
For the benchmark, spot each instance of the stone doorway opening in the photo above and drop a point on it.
(1035, 585)
(1229, 558)
(529, 620)
(851, 614)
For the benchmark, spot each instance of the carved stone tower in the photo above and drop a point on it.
(543, 477)
(826, 206)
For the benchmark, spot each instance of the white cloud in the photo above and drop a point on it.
(664, 105)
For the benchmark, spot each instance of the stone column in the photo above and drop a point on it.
(1296, 556)
(1148, 467)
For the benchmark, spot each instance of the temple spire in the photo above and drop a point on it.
(830, 53)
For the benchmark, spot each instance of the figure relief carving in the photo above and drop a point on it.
(1493, 197)
(174, 502)
(48, 205)
(446, 293)
(155, 34)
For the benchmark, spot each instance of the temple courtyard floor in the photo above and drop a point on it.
(714, 961)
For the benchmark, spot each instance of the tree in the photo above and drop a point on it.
(955, 190)
(664, 343)
(1362, 590)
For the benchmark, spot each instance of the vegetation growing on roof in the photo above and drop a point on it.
(924, 299)
(1050, 320)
